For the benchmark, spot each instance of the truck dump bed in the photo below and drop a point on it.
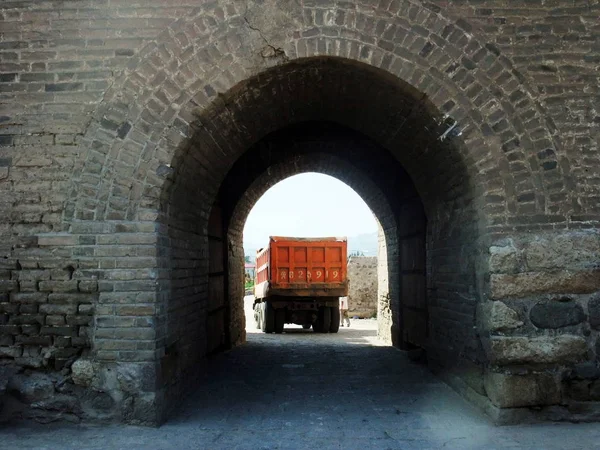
(302, 267)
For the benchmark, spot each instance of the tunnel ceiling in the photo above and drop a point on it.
(363, 101)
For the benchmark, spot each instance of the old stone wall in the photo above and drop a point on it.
(119, 121)
(543, 310)
(362, 291)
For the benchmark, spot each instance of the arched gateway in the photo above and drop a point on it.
(488, 258)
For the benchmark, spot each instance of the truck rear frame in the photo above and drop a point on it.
(300, 280)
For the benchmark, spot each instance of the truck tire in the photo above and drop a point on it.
(268, 318)
(306, 326)
(335, 320)
(323, 321)
(279, 320)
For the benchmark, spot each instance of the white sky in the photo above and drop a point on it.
(308, 205)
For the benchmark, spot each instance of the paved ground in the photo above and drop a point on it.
(302, 390)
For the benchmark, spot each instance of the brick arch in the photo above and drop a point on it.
(300, 155)
(193, 103)
(510, 144)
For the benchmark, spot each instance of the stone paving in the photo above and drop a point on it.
(303, 390)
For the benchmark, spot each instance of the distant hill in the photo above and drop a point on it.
(365, 243)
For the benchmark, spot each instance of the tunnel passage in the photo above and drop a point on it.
(367, 168)
(377, 134)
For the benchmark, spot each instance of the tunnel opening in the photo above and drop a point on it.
(370, 130)
(313, 205)
(337, 151)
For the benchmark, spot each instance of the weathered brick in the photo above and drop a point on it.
(58, 309)
(55, 320)
(9, 308)
(58, 286)
(70, 298)
(59, 331)
(34, 340)
(10, 329)
(56, 240)
(30, 329)
(27, 319)
(135, 310)
(34, 297)
(78, 320)
(8, 285)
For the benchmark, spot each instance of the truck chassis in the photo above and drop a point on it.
(322, 313)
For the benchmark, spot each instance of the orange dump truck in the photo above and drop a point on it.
(300, 280)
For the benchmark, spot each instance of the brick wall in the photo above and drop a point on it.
(120, 121)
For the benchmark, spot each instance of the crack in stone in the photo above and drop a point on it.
(274, 52)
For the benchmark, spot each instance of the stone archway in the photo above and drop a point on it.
(351, 158)
(215, 83)
(187, 205)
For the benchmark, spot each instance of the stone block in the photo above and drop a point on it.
(496, 316)
(28, 308)
(31, 387)
(579, 390)
(78, 320)
(135, 310)
(83, 372)
(556, 314)
(88, 286)
(9, 329)
(573, 250)
(28, 319)
(34, 297)
(532, 283)
(59, 331)
(58, 309)
(514, 391)
(32, 275)
(8, 285)
(59, 402)
(62, 342)
(55, 320)
(137, 377)
(595, 391)
(30, 329)
(58, 286)
(9, 308)
(86, 310)
(66, 298)
(594, 312)
(589, 370)
(10, 352)
(57, 240)
(504, 259)
(34, 340)
(144, 411)
(562, 349)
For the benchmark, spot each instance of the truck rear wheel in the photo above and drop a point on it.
(323, 321)
(279, 320)
(335, 320)
(268, 318)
